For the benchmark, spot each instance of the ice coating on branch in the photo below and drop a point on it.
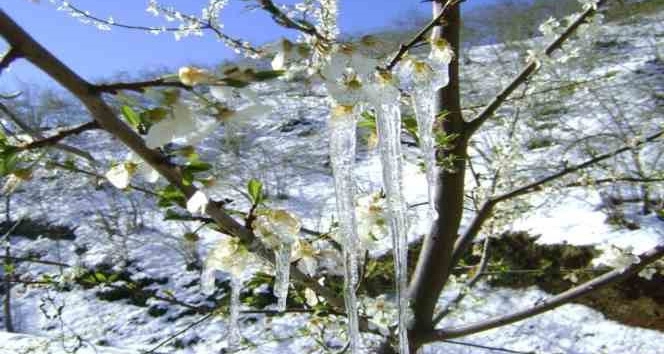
(234, 335)
(278, 230)
(385, 98)
(342, 155)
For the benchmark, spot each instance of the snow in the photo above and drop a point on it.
(292, 166)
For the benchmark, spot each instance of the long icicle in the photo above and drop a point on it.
(342, 156)
(282, 264)
(388, 124)
(422, 99)
(234, 335)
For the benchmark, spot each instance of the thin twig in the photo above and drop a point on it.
(403, 48)
(60, 135)
(180, 332)
(486, 210)
(527, 71)
(480, 346)
(138, 86)
(10, 55)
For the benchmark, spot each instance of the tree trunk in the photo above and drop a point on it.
(433, 266)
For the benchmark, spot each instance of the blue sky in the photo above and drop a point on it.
(97, 54)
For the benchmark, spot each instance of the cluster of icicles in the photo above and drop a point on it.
(383, 97)
(354, 86)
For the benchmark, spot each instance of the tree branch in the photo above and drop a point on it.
(60, 135)
(436, 21)
(602, 281)
(284, 20)
(138, 86)
(201, 25)
(35, 134)
(485, 211)
(10, 55)
(526, 72)
(32, 260)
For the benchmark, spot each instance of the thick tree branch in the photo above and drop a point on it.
(602, 281)
(526, 72)
(486, 210)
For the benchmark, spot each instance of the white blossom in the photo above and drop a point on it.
(441, 52)
(197, 203)
(228, 255)
(276, 226)
(615, 257)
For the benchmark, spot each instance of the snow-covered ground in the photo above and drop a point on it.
(288, 152)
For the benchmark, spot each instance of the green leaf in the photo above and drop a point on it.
(268, 74)
(255, 189)
(9, 159)
(170, 196)
(174, 215)
(196, 166)
(234, 82)
(368, 121)
(410, 125)
(154, 115)
(131, 116)
(101, 277)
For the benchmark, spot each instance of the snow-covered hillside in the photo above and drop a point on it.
(125, 232)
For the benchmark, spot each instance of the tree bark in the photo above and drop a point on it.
(434, 262)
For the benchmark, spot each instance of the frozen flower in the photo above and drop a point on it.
(178, 124)
(647, 273)
(371, 214)
(192, 76)
(380, 311)
(589, 4)
(383, 89)
(120, 174)
(310, 297)
(345, 74)
(287, 53)
(441, 51)
(549, 28)
(418, 71)
(197, 203)
(276, 227)
(615, 257)
(228, 255)
(305, 254)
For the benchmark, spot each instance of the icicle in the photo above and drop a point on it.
(388, 124)
(282, 264)
(234, 335)
(342, 156)
(422, 98)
